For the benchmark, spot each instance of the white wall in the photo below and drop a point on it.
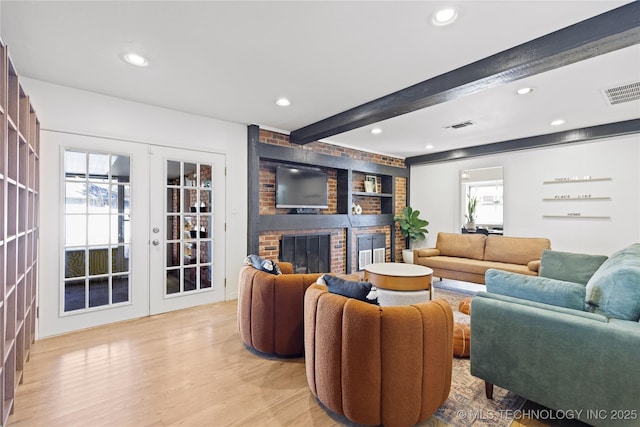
(435, 191)
(64, 109)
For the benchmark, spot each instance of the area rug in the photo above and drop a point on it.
(467, 404)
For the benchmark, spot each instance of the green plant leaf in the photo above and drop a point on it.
(411, 225)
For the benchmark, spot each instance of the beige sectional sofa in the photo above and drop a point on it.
(468, 256)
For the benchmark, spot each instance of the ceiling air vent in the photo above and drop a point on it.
(460, 125)
(625, 93)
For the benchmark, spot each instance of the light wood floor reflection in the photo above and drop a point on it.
(186, 368)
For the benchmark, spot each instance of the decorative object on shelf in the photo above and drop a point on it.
(472, 202)
(371, 184)
(413, 228)
(368, 187)
(203, 207)
(358, 210)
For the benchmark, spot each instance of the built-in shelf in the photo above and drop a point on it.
(350, 174)
(19, 176)
(366, 194)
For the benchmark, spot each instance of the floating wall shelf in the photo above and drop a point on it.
(561, 199)
(577, 216)
(569, 180)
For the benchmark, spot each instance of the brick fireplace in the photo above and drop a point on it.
(343, 247)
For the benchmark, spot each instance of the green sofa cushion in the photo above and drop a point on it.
(534, 288)
(614, 290)
(570, 267)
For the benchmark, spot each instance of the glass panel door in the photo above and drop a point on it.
(187, 232)
(101, 274)
(96, 230)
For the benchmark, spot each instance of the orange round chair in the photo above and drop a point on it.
(270, 309)
(378, 365)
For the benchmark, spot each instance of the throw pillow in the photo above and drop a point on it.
(614, 290)
(534, 288)
(262, 264)
(570, 267)
(364, 291)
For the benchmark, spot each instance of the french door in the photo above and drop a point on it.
(187, 229)
(139, 231)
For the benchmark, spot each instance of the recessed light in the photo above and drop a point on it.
(557, 122)
(444, 16)
(429, 146)
(283, 102)
(135, 59)
(376, 131)
(524, 90)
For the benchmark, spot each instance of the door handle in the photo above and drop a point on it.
(156, 242)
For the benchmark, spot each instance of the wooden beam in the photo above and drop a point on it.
(609, 130)
(610, 31)
(285, 154)
(253, 187)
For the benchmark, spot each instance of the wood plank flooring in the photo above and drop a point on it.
(185, 368)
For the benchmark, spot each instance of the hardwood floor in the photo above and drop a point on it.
(185, 368)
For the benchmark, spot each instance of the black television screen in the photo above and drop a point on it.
(301, 188)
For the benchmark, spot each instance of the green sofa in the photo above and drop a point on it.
(568, 339)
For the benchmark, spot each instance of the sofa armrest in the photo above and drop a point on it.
(425, 252)
(534, 265)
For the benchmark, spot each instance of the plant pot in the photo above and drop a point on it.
(471, 226)
(407, 256)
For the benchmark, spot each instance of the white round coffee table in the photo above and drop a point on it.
(399, 283)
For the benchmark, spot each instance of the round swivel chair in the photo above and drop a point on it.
(377, 365)
(270, 309)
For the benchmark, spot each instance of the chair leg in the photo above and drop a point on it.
(488, 389)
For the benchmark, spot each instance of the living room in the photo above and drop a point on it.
(67, 113)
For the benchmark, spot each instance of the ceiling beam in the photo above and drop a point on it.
(609, 130)
(610, 31)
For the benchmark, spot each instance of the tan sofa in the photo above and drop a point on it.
(468, 256)
(270, 309)
(378, 365)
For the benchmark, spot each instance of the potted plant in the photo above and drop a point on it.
(413, 228)
(471, 213)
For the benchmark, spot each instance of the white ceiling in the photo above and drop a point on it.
(231, 60)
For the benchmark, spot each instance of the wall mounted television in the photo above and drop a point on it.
(301, 188)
